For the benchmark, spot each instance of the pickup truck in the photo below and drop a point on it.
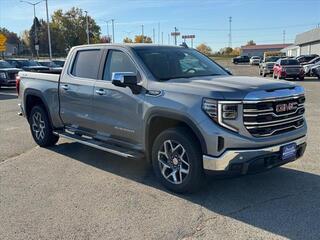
(172, 106)
(267, 64)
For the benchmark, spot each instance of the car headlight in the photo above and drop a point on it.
(225, 113)
(3, 75)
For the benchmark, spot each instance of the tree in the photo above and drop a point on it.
(205, 49)
(127, 40)
(105, 39)
(146, 39)
(70, 27)
(250, 43)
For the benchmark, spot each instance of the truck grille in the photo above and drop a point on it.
(271, 117)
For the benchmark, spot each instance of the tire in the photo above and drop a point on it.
(41, 128)
(301, 78)
(260, 73)
(182, 171)
(273, 76)
(264, 74)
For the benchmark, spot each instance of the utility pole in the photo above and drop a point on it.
(162, 38)
(158, 33)
(230, 36)
(49, 36)
(154, 35)
(87, 27)
(36, 43)
(142, 33)
(112, 20)
(284, 36)
(168, 39)
(175, 35)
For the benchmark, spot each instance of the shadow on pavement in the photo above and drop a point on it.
(7, 93)
(282, 201)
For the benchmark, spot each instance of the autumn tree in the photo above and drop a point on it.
(146, 39)
(127, 40)
(205, 49)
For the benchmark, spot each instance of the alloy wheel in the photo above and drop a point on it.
(38, 126)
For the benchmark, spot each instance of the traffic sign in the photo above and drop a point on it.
(188, 36)
(175, 33)
(3, 39)
(3, 48)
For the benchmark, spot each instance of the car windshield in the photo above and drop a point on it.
(29, 63)
(272, 59)
(290, 62)
(4, 64)
(48, 64)
(168, 63)
(255, 57)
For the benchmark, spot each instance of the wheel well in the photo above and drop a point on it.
(32, 101)
(159, 124)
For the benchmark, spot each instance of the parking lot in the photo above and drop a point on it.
(71, 191)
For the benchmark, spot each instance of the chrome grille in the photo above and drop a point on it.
(263, 118)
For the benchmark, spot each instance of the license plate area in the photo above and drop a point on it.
(289, 152)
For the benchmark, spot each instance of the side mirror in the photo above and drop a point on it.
(124, 79)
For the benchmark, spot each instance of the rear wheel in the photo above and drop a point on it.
(264, 73)
(41, 128)
(177, 160)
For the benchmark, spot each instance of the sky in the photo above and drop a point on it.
(258, 20)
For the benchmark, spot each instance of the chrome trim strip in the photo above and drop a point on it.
(238, 156)
(265, 124)
(274, 114)
(264, 95)
(277, 130)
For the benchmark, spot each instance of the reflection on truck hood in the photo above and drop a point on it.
(225, 87)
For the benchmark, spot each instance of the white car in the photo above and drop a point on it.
(255, 60)
(307, 68)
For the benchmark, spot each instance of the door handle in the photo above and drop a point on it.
(65, 87)
(101, 92)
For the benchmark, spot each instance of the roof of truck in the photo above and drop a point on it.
(128, 45)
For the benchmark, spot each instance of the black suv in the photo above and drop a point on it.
(303, 59)
(241, 59)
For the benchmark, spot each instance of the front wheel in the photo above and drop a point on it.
(41, 128)
(177, 160)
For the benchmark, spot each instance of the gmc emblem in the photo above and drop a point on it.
(285, 107)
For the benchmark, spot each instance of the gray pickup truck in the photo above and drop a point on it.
(170, 105)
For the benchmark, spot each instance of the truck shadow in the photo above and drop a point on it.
(7, 93)
(283, 201)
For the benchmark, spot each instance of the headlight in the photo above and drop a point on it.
(3, 75)
(225, 113)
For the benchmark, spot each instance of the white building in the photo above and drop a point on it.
(305, 43)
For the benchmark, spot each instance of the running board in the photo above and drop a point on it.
(100, 145)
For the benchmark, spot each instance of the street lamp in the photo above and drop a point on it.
(112, 21)
(35, 25)
(87, 29)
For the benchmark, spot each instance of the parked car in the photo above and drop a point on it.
(266, 66)
(53, 67)
(27, 65)
(171, 105)
(307, 67)
(255, 60)
(7, 74)
(303, 59)
(288, 68)
(316, 71)
(241, 59)
(59, 62)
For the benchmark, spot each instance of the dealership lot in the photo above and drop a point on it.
(74, 192)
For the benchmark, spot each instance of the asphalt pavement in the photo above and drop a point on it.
(71, 191)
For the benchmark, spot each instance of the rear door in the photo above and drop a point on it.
(76, 90)
(117, 111)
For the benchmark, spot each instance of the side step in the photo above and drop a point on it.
(123, 152)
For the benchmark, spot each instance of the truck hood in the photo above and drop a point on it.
(227, 87)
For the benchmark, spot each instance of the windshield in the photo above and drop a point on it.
(290, 62)
(29, 63)
(167, 63)
(49, 64)
(4, 64)
(272, 59)
(255, 57)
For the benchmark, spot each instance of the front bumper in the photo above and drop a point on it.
(243, 161)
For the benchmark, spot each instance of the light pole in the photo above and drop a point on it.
(35, 24)
(49, 35)
(87, 28)
(142, 33)
(112, 23)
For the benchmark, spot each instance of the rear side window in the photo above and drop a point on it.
(290, 62)
(86, 64)
(117, 61)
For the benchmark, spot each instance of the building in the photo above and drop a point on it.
(305, 43)
(258, 50)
